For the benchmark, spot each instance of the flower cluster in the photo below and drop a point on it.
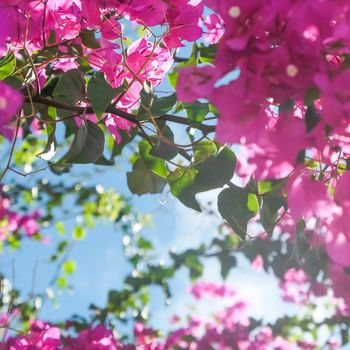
(12, 222)
(97, 29)
(228, 328)
(10, 103)
(288, 107)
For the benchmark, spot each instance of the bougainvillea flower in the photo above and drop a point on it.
(10, 103)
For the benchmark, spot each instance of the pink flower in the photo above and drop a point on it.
(147, 62)
(215, 27)
(14, 222)
(338, 250)
(10, 103)
(111, 29)
(307, 197)
(93, 338)
(258, 263)
(194, 83)
(199, 290)
(145, 12)
(42, 336)
(5, 30)
(115, 124)
(184, 22)
(295, 286)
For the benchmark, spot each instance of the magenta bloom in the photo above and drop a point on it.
(10, 103)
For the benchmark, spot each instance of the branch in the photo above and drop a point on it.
(183, 121)
(118, 112)
(125, 115)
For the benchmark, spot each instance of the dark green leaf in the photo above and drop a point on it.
(164, 145)
(7, 66)
(311, 96)
(153, 106)
(195, 266)
(87, 146)
(141, 180)
(101, 93)
(204, 150)
(180, 181)
(125, 138)
(89, 40)
(312, 118)
(269, 210)
(216, 171)
(70, 89)
(227, 262)
(233, 207)
(196, 111)
(50, 150)
(155, 164)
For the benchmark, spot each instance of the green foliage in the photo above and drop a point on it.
(213, 169)
(153, 106)
(148, 172)
(89, 40)
(164, 146)
(70, 89)
(237, 206)
(87, 146)
(100, 93)
(197, 111)
(7, 66)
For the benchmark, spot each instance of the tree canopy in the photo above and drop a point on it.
(245, 100)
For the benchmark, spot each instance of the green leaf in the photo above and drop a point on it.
(227, 262)
(212, 173)
(70, 89)
(141, 180)
(163, 105)
(180, 181)
(101, 93)
(62, 282)
(207, 54)
(253, 203)
(87, 146)
(312, 118)
(104, 161)
(50, 149)
(264, 187)
(172, 78)
(60, 228)
(89, 40)
(69, 267)
(153, 106)
(272, 186)
(233, 207)
(216, 171)
(155, 164)
(79, 233)
(204, 150)
(195, 266)
(7, 66)
(126, 138)
(269, 210)
(14, 81)
(197, 111)
(164, 145)
(311, 96)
